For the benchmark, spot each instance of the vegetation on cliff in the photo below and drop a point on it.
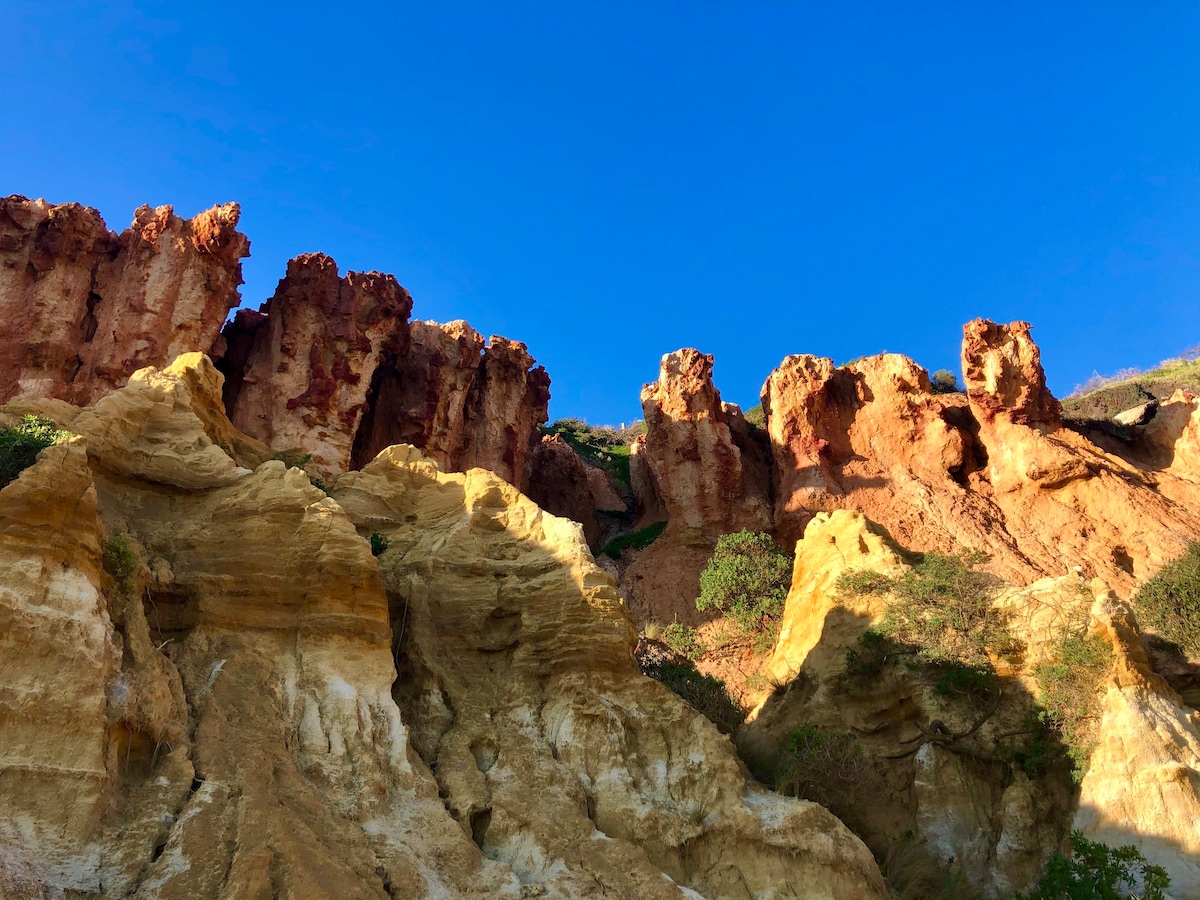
(747, 579)
(20, 444)
(603, 446)
(1170, 602)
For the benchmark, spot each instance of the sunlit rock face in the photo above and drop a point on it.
(991, 469)
(84, 308)
(703, 465)
(214, 688)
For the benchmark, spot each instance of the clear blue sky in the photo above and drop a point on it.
(609, 181)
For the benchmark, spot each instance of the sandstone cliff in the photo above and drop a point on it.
(84, 308)
(213, 689)
(961, 774)
(992, 470)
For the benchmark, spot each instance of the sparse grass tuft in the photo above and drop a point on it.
(20, 445)
(121, 564)
(705, 693)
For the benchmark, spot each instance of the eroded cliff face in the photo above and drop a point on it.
(960, 774)
(331, 366)
(84, 308)
(230, 696)
(992, 470)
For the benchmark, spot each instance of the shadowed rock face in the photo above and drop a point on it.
(260, 707)
(84, 308)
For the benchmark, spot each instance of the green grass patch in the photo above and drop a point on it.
(638, 540)
(1170, 602)
(20, 444)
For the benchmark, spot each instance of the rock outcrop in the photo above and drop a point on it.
(992, 470)
(331, 366)
(706, 468)
(84, 308)
(560, 485)
(961, 774)
(229, 695)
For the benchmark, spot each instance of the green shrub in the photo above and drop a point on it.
(1070, 704)
(866, 661)
(20, 445)
(942, 608)
(378, 543)
(820, 765)
(683, 640)
(638, 540)
(121, 564)
(943, 381)
(747, 578)
(756, 416)
(1170, 602)
(1098, 872)
(705, 693)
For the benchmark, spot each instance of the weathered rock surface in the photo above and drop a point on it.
(947, 771)
(708, 482)
(85, 308)
(1143, 784)
(994, 472)
(331, 366)
(228, 720)
(313, 350)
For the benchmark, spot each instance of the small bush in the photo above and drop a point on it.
(638, 540)
(1070, 704)
(942, 608)
(1170, 602)
(683, 640)
(121, 564)
(943, 381)
(866, 661)
(756, 416)
(705, 693)
(823, 766)
(1098, 872)
(378, 543)
(20, 445)
(956, 680)
(747, 578)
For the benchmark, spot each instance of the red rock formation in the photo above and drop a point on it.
(331, 366)
(559, 484)
(706, 482)
(87, 308)
(994, 472)
(312, 355)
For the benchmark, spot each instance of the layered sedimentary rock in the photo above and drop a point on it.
(959, 774)
(993, 470)
(84, 308)
(707, 476)
(241, 700)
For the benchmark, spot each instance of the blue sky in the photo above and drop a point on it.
(610, 181)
